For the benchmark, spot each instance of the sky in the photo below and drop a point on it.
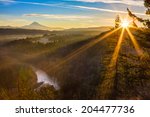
(66, 13)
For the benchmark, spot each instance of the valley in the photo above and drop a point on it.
(74, 64)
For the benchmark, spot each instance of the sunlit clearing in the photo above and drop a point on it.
(137, 47)
(125, 23)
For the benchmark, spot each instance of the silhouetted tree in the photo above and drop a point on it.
(117, 21)
(147, 5)
(146, 22)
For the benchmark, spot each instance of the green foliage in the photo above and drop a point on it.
(147, 3)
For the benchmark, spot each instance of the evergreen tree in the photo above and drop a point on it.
(117, 22)
(147, 5)
(146, 22)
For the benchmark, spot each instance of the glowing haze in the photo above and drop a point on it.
(66, 13)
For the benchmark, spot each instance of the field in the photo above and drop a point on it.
(74, 64)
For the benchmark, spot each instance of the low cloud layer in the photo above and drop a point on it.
(105, 10)
(52, 16)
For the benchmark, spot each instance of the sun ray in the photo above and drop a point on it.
(80, 50)
(117, 49)
(135, 43)
(108, 83)
(136, 28)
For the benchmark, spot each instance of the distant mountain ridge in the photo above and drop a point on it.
(38, 26)
(8, 27)
(34, 25)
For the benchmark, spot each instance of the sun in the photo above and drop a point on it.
(125, 24)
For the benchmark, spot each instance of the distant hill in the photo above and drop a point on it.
(7, 27)
(102, 28)
(17, 31)
(8, 30)
(34, 25)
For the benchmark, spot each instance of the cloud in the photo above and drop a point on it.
(80, 7)
(105, 10)
(127, 2)
(31, 3)
(64, 17)
(15, 21)
(6, 2)
(37, 3)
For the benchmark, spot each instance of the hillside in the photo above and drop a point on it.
(10, 31)
(79, 62)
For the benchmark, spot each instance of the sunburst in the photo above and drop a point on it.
(125, 24)
(108, 83)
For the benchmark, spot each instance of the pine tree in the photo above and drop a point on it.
(146, 22)
(147, 5)
(117, 21)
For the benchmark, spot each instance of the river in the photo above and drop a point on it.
(43, 77)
